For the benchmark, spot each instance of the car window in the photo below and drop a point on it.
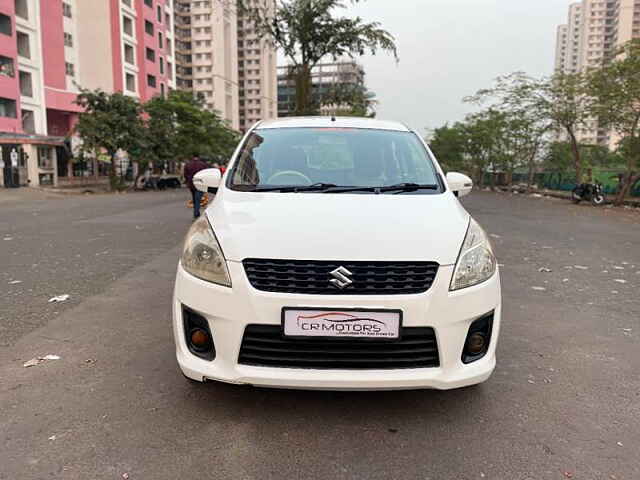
(340, 156)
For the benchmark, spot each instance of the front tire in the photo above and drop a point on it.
(575, 196)
(598, 199)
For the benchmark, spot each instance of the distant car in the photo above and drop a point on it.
(335, 255)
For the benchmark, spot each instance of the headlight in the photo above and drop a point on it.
(476, 262)
(202, 256)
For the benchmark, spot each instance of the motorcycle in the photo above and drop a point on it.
(588, 192)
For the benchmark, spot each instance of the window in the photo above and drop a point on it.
(127, 25)
(151, 81)
(26, 85)
(7, 108)
(170, 70)
(22, 9)
(69, 69)
(162, 91)
(150, 54)
(45, 157)
(167, 20)
(66, 10)
(148, 27)
(127, 3)
(130, 82)
(23, 45)
(68, 39)
(159, 13)
(148, 3)
(5, 25)
(6, 67)
(169, 50)
(129, 54)
(161, 60)
(160, 40)
(28, 121)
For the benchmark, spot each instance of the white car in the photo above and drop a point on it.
(335, 255)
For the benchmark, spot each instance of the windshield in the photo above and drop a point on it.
(333, 157)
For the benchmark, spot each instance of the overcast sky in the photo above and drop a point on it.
(451, 48)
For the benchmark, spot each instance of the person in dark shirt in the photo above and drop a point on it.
(192, 167)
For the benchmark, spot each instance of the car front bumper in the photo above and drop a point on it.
(229, 310)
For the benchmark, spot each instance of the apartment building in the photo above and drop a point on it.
(206, 55)
(594, 31)
(221, 59)
(324, 78)
(257, 75)
(49, 49)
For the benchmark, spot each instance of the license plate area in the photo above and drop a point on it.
(364, 324)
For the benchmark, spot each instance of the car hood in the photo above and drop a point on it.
(312, 226)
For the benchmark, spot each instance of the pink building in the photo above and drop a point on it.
(49, 49)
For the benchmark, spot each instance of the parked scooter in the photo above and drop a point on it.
(589, 192)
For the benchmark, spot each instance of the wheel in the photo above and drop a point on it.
(597, 199)
(575, 196)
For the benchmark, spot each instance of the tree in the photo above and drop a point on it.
(615, 89)
(350, 100)
(559, 104)
(447, 143)
(179, 127)
(481, 143)
(567, 105)
(307, 31)
(109, 123)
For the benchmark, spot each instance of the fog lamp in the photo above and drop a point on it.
(476, 343)
(200, 339)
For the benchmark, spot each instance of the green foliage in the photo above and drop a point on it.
(615, 90)
(350, 100)
(447, 142)
(162, 130)
(307, 31)
(110, 122)
(178, 127)
(558, 157)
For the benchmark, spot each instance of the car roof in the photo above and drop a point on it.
(332, 122)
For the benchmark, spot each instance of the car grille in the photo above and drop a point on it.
(264, 345)
(313, 277)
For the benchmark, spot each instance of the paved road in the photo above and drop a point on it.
(563, 403)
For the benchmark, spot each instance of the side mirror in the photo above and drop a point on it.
(207, 180)
(459, 184)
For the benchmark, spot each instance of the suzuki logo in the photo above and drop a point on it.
(341, 278)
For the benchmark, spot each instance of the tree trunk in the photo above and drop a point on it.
(113, 178)
(532, 168)
(629, 181)
(304, 99)
(577, 162)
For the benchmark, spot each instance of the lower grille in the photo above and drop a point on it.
(264, 345)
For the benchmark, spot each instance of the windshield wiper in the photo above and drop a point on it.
(289, 188)
(408, 187)
(316, 187)
(400, 187)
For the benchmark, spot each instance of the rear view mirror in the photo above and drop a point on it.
(207, 180)
(459, 184)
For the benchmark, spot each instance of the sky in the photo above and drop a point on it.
(449, 49)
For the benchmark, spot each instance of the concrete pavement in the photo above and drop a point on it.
(564, 401)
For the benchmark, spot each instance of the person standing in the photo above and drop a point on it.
(192, 167)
